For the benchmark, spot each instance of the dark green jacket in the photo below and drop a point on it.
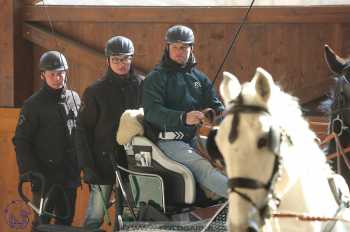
(171, 90)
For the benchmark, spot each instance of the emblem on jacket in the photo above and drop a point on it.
(71, 121)
(197, 84)
(21, 119)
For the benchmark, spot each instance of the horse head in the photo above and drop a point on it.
(263, 139)
(341, 95)
(249, 140)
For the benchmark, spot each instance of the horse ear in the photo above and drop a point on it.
(229, 87)
(263, 83)
(335, 63)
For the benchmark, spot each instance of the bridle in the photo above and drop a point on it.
(271, 202)
(275, 137)
(338, 126)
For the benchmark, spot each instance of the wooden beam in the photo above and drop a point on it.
(299, 14)
(23, 59)
(53, 41)
(29, 2)
(6, 53)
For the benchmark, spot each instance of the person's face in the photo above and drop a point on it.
(54, 79)
(179, 52)
(120, 64)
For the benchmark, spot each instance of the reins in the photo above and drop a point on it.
(207, 123)
(306, 217)
(341, 152)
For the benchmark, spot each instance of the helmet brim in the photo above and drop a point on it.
(180, 41)
(121, 54)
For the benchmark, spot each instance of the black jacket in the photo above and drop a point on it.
(102, 106)
(44, 135)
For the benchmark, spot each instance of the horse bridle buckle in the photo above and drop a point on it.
(338, 126)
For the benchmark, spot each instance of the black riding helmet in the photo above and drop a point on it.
(119, 45)
(53, 61)
(179, 33)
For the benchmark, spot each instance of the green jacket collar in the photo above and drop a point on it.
(169, 64)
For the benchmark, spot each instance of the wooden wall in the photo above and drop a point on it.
(6, 45)
(288, 42)
(293, 53)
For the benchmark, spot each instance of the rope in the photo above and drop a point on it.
(306, 217)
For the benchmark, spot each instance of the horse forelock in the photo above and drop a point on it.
(285, 111)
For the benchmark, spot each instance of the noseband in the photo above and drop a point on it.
(273, 144)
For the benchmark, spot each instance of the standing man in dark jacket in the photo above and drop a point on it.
(175, 93)
(44, 137)
(102, 106)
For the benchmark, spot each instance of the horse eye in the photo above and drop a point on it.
(262, 142)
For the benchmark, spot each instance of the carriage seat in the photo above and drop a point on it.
(152, 172)
(177, 183)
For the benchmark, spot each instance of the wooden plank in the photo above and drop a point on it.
(15, 56)
(53, 41)
(295, 14)
(10, 201)
(6, 53)
(23, 59)
(185, 3)
(29, 2)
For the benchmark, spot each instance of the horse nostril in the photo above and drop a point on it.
(251, 229)
(262, 142)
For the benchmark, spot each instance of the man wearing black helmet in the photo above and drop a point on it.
(175, 93)
(102, 105)
(44, 138)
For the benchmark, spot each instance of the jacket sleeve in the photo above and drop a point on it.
(154, 93)
(210, 97)
(84, 136)
(27, 127)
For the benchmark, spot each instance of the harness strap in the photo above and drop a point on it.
(242, 182)
(341, 151)
(330, 225)
(342, 201)
(336, 154)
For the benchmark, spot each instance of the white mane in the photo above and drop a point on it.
(303, 186)
(286, 112)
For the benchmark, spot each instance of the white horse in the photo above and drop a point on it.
(270, 153)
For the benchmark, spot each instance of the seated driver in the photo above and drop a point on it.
(175, 93)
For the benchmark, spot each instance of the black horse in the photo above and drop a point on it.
(340, 111)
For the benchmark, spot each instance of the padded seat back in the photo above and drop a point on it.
(179, 186)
